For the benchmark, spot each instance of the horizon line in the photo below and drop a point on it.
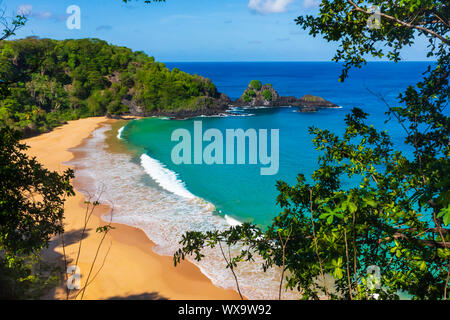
(286, 61)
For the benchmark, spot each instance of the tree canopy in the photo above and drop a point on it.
(52, 81)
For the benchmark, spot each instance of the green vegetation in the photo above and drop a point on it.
(267, 95)
(251, 93)
(52, 81)
(257, 90)
(246, 98)
(396, 219)
(389, 234)
(248, 95)
(31, 212)
(26, 224)
(255, 84)
(311, 98)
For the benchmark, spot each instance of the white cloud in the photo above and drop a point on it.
(27, 10)
(24, 9)
(269, 6)
(308, 4)
(43, 15)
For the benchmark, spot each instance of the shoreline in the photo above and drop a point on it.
(127, 266)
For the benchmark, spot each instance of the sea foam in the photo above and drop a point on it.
(165, 211)
(119, 133)
(231, 221)
(165, 177)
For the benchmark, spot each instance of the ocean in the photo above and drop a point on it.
(165, 199)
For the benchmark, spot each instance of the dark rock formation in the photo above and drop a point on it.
(206, 106)
(257, 94)
(308, 109)
(314, 101)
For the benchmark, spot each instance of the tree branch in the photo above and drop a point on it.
(403, 23)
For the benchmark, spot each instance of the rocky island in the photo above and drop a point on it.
(258, 94)
(215, 103)
(255, 95)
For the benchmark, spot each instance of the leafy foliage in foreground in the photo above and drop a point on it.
(26, 277)
(31, 210)
(329, 240)
(32, 197)
(401, 23)
(388, 221)
(50, 81)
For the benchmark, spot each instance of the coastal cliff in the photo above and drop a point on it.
(44, 83)
(255, 95)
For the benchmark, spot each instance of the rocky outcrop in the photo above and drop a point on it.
(315, 101)
(308, 109)
(203, 105)
(257, 94)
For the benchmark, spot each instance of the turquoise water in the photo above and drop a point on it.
(239, 191)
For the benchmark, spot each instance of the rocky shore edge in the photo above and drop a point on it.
(255, 95)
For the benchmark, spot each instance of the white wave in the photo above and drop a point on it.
(231, 221)
(257, 107)
(165, 216)
(119, 133)
(235, 109)
(165, 177)
(220, 115)
(337, 107)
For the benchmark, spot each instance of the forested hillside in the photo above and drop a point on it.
(47, 82)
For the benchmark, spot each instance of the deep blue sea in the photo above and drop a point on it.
(240, 191)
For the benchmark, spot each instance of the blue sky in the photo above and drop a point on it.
(190, 30)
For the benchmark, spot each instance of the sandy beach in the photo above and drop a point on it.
(126, 266)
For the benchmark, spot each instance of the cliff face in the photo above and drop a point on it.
(258, 94)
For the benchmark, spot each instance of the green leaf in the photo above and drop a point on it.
(445, 215)
(330, 219)
(338, 273)
(352, 207)
(324, 215)
(423, 266)
(371, 203)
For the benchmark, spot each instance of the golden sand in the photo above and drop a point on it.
(126, 265)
